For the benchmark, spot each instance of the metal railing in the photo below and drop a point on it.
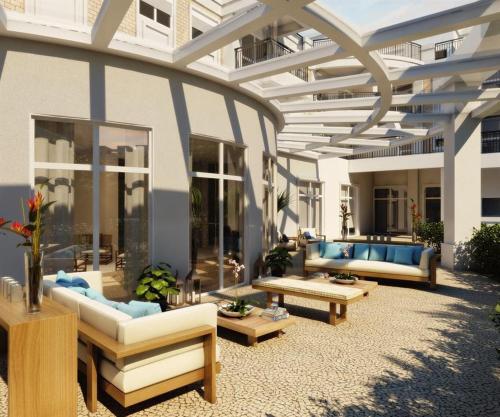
(407, 49)
(264, 50)
(490, 144)
(343, 95)
(445, 49)
(493, 81)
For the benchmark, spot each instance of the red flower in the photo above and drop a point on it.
(35, 203)
(20, 229)
(2, 221)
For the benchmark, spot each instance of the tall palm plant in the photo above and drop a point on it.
(283, 200)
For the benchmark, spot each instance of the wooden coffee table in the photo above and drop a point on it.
(365, 286)
(254, 326)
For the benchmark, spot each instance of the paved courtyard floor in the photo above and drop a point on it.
(405, 351)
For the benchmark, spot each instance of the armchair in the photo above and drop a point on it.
(314, 234)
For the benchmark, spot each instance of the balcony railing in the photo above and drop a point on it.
(493, 81)
(407, 49)
(445, 49)
(264, 50)
(490, 144)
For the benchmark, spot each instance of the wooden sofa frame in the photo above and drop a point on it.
(431, 280)
(98, 343)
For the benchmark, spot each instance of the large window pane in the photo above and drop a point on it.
(234, 200)
(123, 147)
(68, 226)
(204, 156)
(433, 210)
(63, 142)
(234, 160)
(303, 203)
(205, 232)
(123, 234)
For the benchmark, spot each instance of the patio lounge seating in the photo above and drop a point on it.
(133, 360)
(423, 271)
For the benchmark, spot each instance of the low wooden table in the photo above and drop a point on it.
(254, 326)
(365, 286)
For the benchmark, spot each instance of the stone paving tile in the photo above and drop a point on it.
(405, 351)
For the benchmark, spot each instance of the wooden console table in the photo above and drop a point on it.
(42, 359)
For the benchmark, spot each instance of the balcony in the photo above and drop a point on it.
(264, 50)
(407, 49)
(490, 144)
(445, 49)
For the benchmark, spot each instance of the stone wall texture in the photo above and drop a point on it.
(182, 22)
(14, 5)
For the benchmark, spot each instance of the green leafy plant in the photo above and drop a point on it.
(432, 234)
(345, 276)
(495, 318)
(239, 306)
(157, 282)
(278, 259)
(283, 200)
(484, 249)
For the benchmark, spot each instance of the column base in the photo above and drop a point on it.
(454, 257)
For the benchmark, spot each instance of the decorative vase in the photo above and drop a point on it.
(33, 281)
(414, 235)
(344, 232)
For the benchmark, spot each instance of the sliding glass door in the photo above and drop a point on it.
(391, 210)
(217, 211)
(310, 204)
(98, 177)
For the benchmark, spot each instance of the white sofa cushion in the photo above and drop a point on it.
(157, 325)
(314, 288)
(178, 363)
(69, 298)
(104, 318)
(425, 258)
(359, 265)
(94, 278)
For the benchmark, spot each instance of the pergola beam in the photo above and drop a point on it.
(342, 130)
(108, 20)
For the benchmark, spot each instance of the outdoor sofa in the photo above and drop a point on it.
(373, 260)
(134, 359)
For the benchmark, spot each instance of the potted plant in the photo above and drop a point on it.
(31, 231)
(277, 260)
(344, 278)
(239, 307)
(156, 283)
(344, 215)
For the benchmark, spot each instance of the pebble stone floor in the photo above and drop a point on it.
(405, 351)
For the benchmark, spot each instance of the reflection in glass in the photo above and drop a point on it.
(124, 224)
(205, 232)
(68, 226)
(63, 142)
(123, 147)
(204, 156)
(234, 158)
(234, 200)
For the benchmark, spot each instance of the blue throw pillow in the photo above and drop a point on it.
(361, 251)
(377, 252)
(79, 290)
(417, 254)
(322, 246)
(64, 280)
(95, 295)
(151, 308)
(403, 255)
(134, 311)
(333, 251)
(391, 250)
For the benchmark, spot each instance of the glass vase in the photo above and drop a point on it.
(33, 281)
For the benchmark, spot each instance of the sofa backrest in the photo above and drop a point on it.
(94, 278)
(157, 325)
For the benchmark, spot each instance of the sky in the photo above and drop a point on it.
(366, 15)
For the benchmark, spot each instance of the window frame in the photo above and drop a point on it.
(309, 197)
(425, 198)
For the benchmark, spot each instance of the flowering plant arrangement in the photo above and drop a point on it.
(31, 231)
(238, 305)
(344, 215)
(416, 216)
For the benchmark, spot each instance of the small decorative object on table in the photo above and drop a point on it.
(156, 283)
(239, 307)
(31, 230)
(342, 278)
(275, 313)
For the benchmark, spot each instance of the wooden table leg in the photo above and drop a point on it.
(92, 364)
(210, 367)
(281, 300)
(252, 341)
(337, 318)
(269, 301)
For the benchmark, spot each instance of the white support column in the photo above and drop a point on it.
(462, 185)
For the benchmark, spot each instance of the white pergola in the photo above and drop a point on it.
(311, 128)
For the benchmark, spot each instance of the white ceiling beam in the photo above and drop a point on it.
(305, 154)
(289, 137)
(446, 21)
(417, 99)
(108, 20)
(287, 63)
(341, 130)
(234, 28)
(486, 109)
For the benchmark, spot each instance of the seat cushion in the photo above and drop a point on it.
(313, 288)
(69, 298)
(358, 265)
(389, 256)
(147, 372)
